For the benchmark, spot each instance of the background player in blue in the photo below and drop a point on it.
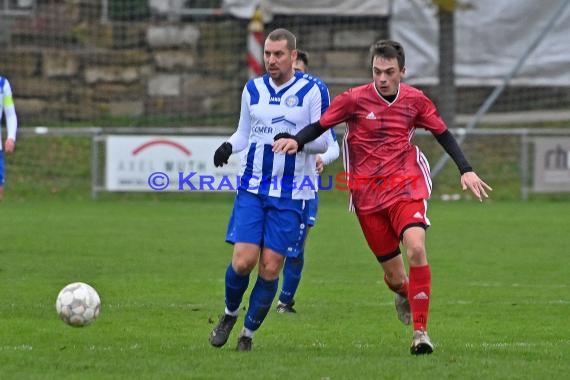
(268, 221)
(7, 108)
(293, 267)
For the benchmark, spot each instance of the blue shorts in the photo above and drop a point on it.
(275, 223)
(2, 168)
(312, 208)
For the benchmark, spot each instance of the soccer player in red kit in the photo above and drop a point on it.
(389, 176)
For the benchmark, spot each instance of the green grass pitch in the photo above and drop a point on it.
(500, 297)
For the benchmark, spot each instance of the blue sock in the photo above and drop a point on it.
(291, 278)
(260, 301)
(236, 286)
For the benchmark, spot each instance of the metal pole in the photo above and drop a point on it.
(524, 165)
(499, 89)
(94, 166)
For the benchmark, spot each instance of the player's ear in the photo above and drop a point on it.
(294, 55)
(404, 71)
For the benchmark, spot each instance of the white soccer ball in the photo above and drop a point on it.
(78, 304)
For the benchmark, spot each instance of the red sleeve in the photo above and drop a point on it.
(340, 110)
(428, 117)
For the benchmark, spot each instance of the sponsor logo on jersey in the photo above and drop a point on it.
(262, 129)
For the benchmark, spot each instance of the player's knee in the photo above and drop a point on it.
(269, 270)
(395, 279)
(242, 264)
(242, 268)
(396, 284)
(245, 257)
(416, 254)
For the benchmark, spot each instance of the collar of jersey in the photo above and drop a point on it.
(383, 98)
(271, 90)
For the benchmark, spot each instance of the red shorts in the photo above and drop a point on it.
(383, 229)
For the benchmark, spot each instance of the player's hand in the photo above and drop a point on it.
(320, 164)
(286, 145)
(9, 146)
(471, 181)
(222, 154)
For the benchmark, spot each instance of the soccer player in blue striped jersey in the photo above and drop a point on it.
(293, 267)
(268, 221)
(7, 108)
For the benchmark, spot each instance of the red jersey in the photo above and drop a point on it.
(382, 164)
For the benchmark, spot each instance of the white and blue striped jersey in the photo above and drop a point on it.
(266, 110)
(7, 108)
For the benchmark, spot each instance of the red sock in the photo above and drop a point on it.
(402, 290)
(419, 294)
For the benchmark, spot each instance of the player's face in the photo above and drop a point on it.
(387, 75)
(279, 60)
(299, 66)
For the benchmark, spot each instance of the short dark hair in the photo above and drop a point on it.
(388, 49)
(303, 56)
(283, 34)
